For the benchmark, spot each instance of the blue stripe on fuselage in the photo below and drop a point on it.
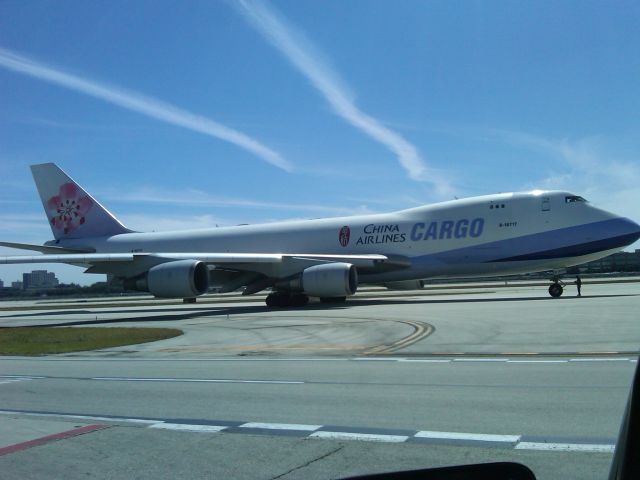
(564, 242)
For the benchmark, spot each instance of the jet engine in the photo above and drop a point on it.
(405, 285)
(177, 279)
(330, 280)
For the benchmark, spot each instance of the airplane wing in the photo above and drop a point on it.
(253, 271)
(208, 258)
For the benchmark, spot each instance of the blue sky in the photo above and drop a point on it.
(195, 114)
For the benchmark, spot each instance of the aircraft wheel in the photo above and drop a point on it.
(271, 300)
(281, 299)
(299, 300)
(333, 299)
(555, 290)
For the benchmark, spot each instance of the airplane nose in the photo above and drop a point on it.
(632, 230)
(635, 229)
(620, 232)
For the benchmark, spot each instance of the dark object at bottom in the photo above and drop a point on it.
(481, 471)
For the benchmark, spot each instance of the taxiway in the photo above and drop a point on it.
(391, 381)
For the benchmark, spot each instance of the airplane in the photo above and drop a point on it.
(491, 235)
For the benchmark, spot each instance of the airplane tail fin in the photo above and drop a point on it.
(71, 211)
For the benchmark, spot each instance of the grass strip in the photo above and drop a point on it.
(47, 340)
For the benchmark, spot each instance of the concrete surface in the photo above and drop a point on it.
(504, 361)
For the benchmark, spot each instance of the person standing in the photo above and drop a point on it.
(578, 285)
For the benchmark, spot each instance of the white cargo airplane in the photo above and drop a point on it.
(481, 236)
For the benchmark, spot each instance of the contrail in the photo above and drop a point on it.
(140, 103)
(309, 61)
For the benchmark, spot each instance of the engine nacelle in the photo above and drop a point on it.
(330, 280)
(177, 279)
(405, 285)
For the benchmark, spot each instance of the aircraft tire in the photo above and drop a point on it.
(271, 300)
(333, 299)
(555, 290)
(299, 300)
(282, 299)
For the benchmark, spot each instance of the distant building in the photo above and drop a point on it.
(16, 285)
(618, 262)
(39, 279)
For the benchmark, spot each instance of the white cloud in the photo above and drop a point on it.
(589, 166)
(196, 198)
(142, 104)
(310, 62)
(12, 225)
(596, 172)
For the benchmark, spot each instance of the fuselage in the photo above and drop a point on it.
(488, 235)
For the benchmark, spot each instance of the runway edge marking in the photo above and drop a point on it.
(319, 432)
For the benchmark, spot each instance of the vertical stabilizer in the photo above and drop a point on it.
(71, 211)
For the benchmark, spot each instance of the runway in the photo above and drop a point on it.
(488, 320)
(405, 380)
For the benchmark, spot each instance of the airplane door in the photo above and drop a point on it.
(546, 204)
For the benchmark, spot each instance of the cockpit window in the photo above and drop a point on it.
(573, 198)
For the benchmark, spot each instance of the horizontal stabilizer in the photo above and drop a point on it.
(43, 248)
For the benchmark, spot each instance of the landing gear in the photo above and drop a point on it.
(333, 299)
(284, 299)
(556, 288)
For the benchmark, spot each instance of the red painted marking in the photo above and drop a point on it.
(50, 438)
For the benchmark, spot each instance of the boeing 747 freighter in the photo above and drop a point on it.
(490, 235)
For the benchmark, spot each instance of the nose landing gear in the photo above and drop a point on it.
(557, 287)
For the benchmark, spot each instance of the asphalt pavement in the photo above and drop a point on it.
(407, 380)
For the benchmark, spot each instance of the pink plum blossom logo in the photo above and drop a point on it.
(68, 210)
(343, 236)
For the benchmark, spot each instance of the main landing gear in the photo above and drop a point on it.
(285, 299)
(333, 300)
(557, 287)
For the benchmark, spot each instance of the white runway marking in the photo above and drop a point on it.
(375, 359)
(195, 380)
(188, 428)
(482, 437)
(282, 426)
(494, 360)
(4, 379)
(423, 360)
(81, 417)
(366, 437)
(599, 360)
(566, 447)
(509, 441)
(537, 361)
(479, 359)
(442, 359)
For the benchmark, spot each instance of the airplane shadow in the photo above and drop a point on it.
(204, 312)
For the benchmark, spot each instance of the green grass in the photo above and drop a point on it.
(46, 340)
